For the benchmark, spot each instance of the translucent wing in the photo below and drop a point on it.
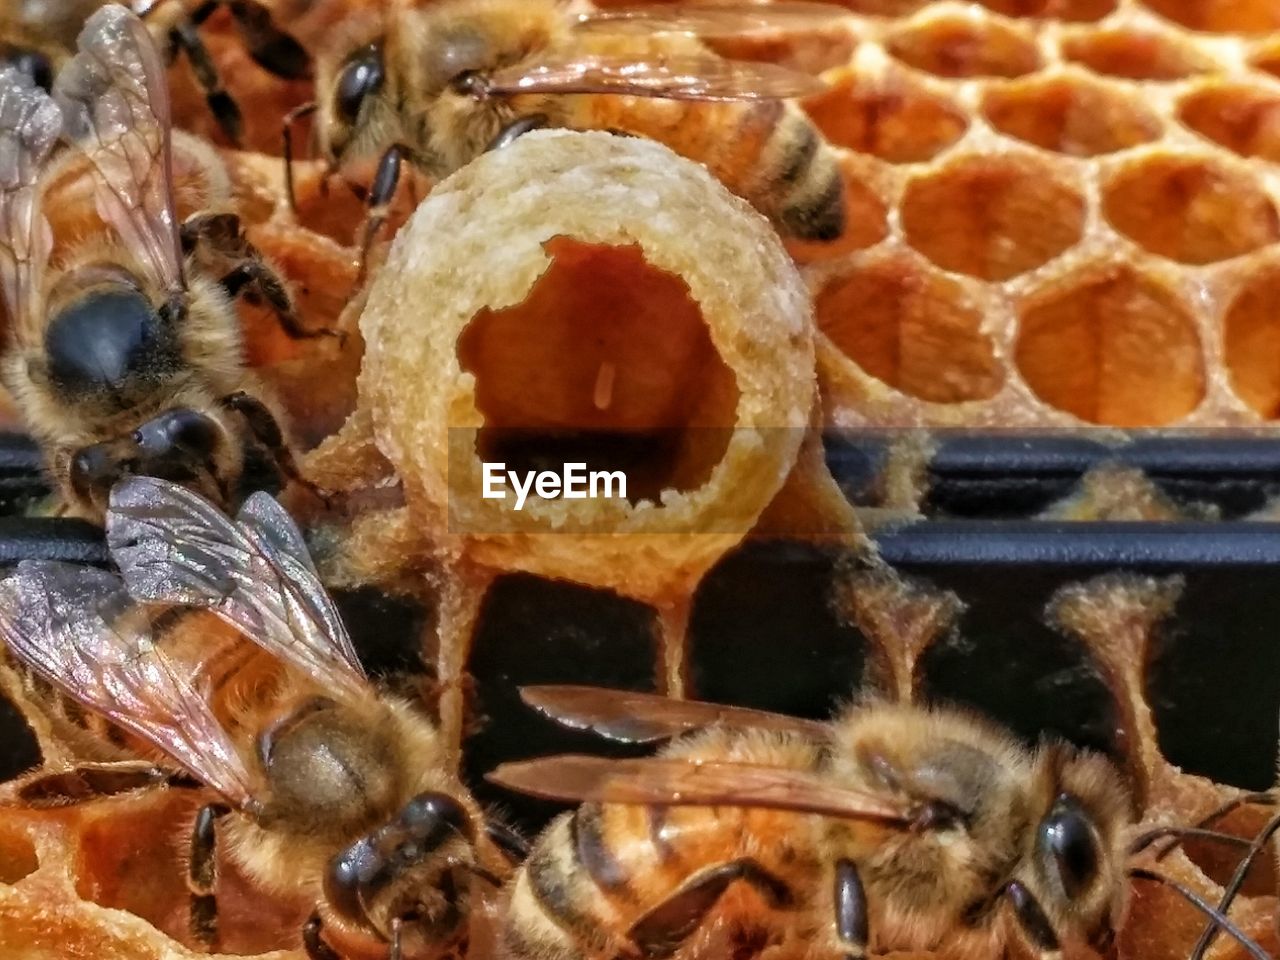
(30, 123)
(685, 77)
(631, 717)
(710, 19)
(676, 782)
(173, 546)
(78, 629)
(115, 104)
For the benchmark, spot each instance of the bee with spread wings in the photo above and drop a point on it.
(891, 828)
(325, 785)
(436, 85)
(126, 357)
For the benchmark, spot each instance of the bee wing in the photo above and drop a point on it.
(710, 19)
(30, 123)
(78, 628)
(630, 717)
(666, 781)
(115, 104)
(683, 77)
(173, 546)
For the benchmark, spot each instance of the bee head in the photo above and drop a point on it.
(179, 444)
(1074, 873)
(412, 870)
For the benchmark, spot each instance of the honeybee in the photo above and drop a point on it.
(126, 356)
(38, 36)
(325, 785)
(438, 86)
(893, 827)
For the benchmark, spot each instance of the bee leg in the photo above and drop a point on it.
(314, 943)
(381, 193)
(512, 845)
(271, 48)
(851, 911)
(286, 135)
(266, 430)
(224, 235)
(202, 874)
(186, 37)
(516, 129)
(1032, 918)
(660, 931)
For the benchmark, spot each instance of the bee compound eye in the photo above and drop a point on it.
(350, 873)
(176, 430)
(433, 817)
(1068, 838)
(361, 77)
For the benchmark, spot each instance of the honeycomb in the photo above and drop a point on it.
(1061, 212)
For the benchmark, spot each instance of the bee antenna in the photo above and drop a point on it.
(1216, 917)
(292, 117)
(1248, 799)
(1237, 881)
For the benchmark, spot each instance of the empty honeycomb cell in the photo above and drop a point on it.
(912, 329)
(1220, 16)
(1251, 342)
(1111, 346)
(992, 217)
(18, 857)
(1085, 11)
(865, 222)
(1135, 54)
(1190, 209)
(889, 117)
(812, 51)
(1070, 115)
(956, 46)
(1240, 117)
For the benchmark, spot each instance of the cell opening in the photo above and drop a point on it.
(1251, 343)
(1135, 55)
(1220, 16)
(890, 118)
(607, 362)
(992, 217)
(1190, 209)
(1084, 11)
(18, 858)
(911, 329)
(1071, 116)
(962, 47)
(1111, 347)
(1244, 119)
